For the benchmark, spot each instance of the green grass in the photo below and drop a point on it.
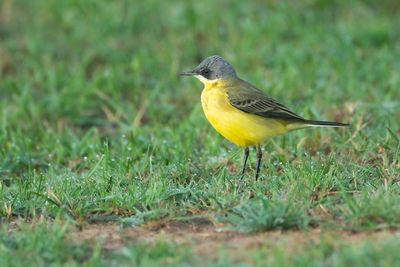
(95, 124)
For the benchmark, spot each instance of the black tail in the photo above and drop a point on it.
(326, 123)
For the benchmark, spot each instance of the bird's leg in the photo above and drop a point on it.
(246, 155)
(258, 164)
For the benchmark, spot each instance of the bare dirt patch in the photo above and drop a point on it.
(206, 239)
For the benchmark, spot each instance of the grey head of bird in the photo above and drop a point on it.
(211, 69)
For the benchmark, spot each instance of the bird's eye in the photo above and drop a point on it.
(206, 72)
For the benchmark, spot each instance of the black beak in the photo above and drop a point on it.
(188, 73)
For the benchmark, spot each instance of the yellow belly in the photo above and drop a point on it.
(240, 128)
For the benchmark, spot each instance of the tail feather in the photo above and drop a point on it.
(325, 124)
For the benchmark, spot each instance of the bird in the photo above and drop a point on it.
(241, 112)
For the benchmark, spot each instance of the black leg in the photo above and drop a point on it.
(258, 164)
(246, 155)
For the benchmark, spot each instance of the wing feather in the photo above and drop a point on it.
(250, 99)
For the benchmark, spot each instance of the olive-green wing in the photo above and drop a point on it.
(248, 98)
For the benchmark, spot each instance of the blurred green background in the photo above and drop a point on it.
(68, 67)
(96, 125)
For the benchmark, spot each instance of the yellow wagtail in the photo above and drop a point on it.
(242, 113)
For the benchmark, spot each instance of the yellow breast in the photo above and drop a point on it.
(240, 128)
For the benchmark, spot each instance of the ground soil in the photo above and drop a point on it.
(206, 239)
